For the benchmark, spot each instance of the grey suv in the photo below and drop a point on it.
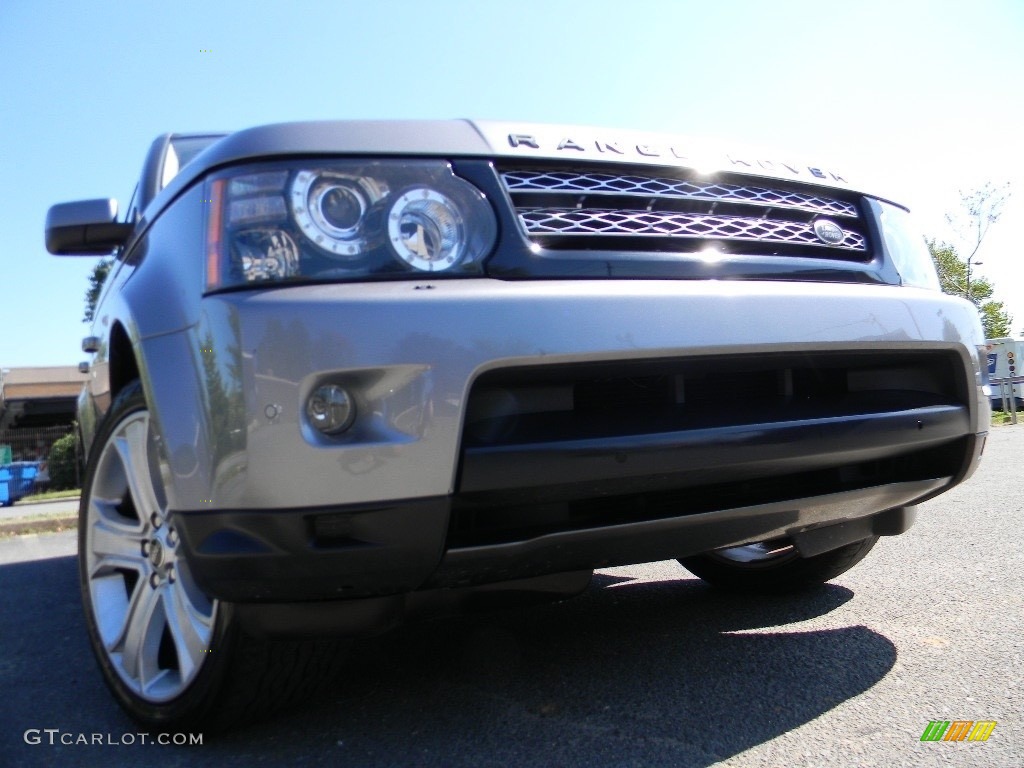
(349, 371)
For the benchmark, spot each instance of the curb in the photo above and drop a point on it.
(52, 524)
(36, 502)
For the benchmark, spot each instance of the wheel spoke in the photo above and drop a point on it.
(189, 631)
(144, 624)
(115, 545)
(133, 449)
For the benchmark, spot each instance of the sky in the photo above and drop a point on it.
(926, 96)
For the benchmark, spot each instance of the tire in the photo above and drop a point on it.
(173, 658)
(775, 566)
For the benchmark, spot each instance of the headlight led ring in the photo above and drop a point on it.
(331, 210)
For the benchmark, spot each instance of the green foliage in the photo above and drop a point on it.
(62, 462)
(995, 319)
(1001, 418)
(96, 281)
(952, 271)
(956, 280)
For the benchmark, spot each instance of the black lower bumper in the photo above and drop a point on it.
(293, 590)
(345, 553)
(834, 519)
(314, 554)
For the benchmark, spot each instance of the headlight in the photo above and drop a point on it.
(332, 210)
(906, 246)
(344, 220)
(426, 230)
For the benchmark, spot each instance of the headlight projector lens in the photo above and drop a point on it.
(426, 230)
(331, 210)
(330, 409)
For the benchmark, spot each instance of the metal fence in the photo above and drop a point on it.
(1008, 394)
(31, 443)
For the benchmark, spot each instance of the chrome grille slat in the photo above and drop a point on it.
(656, 187)
(593, 221)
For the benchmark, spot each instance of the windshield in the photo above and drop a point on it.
(182, 151)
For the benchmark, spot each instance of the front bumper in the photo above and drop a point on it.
(412, 353)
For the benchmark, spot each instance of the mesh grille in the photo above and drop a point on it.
(659, 187)
(557, 221)
(561, 207)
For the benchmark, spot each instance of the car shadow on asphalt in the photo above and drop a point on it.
(630, 673)
(665, 672)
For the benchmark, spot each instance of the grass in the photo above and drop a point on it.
(74, 493)
(1002, 418)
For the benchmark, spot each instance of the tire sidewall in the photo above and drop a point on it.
(792, 574)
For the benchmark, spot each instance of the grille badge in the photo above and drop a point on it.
(829, 232)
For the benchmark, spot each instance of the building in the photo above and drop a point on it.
(37, 406)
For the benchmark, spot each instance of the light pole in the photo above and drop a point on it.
(3, 407)
(967, 291)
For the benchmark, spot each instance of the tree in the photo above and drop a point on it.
(953, 278)
(979, 210)
(61, 462)
(995, 319)
(952, 271)
(96, 281)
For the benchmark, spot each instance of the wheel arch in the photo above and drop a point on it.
(124, 367)
(113, 368)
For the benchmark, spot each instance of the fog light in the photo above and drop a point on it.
(330, 409)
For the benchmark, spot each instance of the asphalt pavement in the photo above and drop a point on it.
(648, 668)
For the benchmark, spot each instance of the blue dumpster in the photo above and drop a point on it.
(18, 480)
(6, 498)
(25, 477)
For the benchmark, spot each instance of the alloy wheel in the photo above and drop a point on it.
(154, 623)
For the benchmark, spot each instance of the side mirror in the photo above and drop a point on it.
(85, 228)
